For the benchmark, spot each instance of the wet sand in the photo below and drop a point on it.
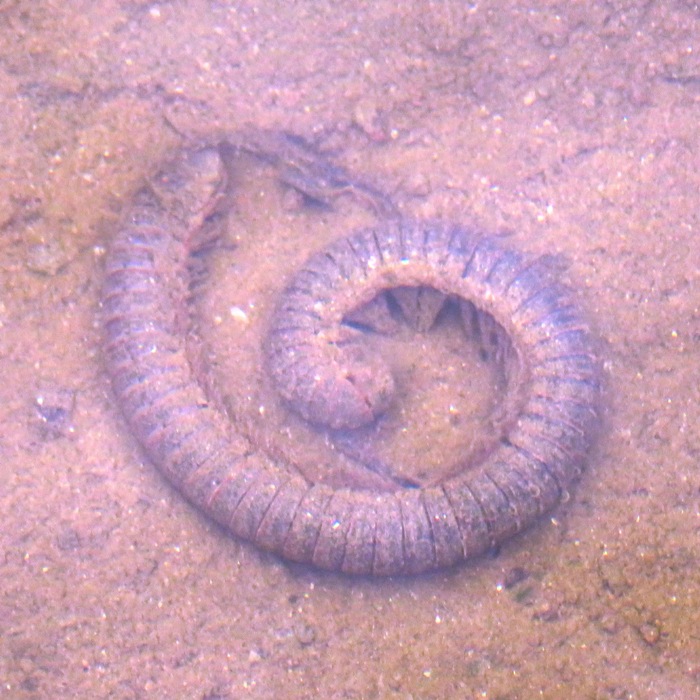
(574, 131)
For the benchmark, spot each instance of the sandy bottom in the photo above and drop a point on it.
(573, 130)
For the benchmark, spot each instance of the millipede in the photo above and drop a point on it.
(543, 343)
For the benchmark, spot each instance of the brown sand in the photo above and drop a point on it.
(572, 126)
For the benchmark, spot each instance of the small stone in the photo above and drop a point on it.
(68, 539)
(650, 633)
(367, 117)
(514, 576)
(47, 257)
(54, 411)
(305, 634)
(588, 99)
(417, 184)
(610, 623)
(238, 314)
(529, 98)
(547, 613)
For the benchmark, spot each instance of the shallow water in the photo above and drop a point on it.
(573, 131)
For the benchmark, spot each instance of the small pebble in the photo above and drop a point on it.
(305, 634)
(54, 411)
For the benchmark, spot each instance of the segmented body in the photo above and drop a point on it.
(407, 531)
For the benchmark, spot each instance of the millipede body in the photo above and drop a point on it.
(323, 371)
